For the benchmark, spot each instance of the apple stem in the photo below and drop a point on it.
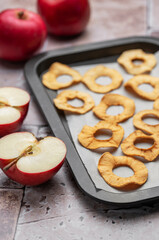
(21, 15)
(3, 104)
(26, 151)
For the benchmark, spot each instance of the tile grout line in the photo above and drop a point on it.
(50, 218)
(19, 211)
(148, 16)
(35, 125)
(11, 188)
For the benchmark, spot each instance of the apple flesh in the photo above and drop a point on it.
(22, 32)
(10, 120)
(64, 17)
(28, 161)
(14, 104)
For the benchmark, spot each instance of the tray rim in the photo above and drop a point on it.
(113, 200)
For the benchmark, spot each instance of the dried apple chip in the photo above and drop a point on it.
(127, 60)
(108, 162)
(128, 145)
(114, 100)
(87, 135)
(49, 79)
(89, 79)
(136, 81)
(61, 101)
(139, 123)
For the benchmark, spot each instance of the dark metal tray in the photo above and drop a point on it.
(80, 55)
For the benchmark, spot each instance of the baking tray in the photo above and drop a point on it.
(95, 53)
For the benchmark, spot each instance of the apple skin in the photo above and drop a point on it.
(22, 32)
(64, 17)
(10, 127)
(29, 179)
(24, 110)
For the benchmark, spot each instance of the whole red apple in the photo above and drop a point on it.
(22, 32)
(64, 17)
(28, 161)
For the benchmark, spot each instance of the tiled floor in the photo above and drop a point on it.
(58, 209)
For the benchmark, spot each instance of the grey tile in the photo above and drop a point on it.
(10, 202)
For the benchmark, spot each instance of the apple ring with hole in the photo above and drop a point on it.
(89, 79)
(140, 124)
(61, 101)
(127, 61)
(112, 99)
(49, 79)
(128, 145)
(14, 104)
(135, 82)
(28, 161)
(108, 162)
(88, 140)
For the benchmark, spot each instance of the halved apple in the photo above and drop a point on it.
(28, 161)
(14, 103)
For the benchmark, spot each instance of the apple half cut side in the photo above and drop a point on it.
(10, 120)
(28, 161)
(15, 97)
(14, 104)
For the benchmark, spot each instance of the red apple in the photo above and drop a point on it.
(14, 103)
(28, 161)
(22, 32)
(65, 17)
